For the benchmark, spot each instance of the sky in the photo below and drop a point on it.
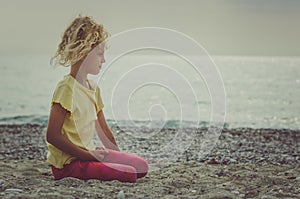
(222, 27)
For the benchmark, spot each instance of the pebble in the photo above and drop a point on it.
(121, 195)
(1, 182)
(12, 190)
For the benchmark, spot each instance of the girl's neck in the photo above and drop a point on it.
(78, 75)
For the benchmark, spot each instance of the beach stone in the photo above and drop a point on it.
(1, 182)
(12, 190)
(121, 195)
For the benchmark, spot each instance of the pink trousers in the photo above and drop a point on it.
(116, 165)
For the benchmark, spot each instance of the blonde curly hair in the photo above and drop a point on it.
(82, 35)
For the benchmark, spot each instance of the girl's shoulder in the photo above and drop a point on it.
(63, 94)
(65, 85)
(67, 81)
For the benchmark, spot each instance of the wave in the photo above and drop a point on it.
(43, 120)
(25, 119)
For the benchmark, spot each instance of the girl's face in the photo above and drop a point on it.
(93, 61)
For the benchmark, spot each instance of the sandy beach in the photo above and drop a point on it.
(245, 163)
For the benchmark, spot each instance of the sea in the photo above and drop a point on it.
(259, 91)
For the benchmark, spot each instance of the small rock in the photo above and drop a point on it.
(1, 182)
(212, 161)
(13, 190)
(121, 195)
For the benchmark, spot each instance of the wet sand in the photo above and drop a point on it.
(245, 163)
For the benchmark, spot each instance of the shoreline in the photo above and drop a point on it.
(244, 163)
(43, 120)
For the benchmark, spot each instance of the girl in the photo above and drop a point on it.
(76, 112)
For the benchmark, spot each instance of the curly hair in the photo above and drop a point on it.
(82, 35)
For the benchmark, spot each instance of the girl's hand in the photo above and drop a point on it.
(99, 154)
(96, 155)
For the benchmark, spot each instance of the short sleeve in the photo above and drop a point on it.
(63, 96)
(99, 103)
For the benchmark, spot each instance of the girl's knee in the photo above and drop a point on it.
(142, 165)
(129, 169)
(129, 174)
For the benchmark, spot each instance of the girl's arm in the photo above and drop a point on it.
(105, 134)
(57, 139)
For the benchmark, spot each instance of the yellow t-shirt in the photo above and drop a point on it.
(83, 105)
